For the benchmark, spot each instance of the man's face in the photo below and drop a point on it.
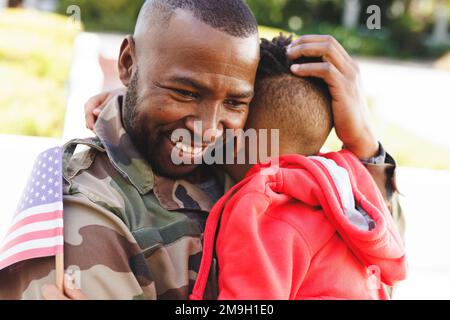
(188, 72)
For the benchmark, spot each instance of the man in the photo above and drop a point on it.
(133, 219)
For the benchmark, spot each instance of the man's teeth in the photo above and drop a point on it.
(189, 149)
(174, 140)
(186, 148)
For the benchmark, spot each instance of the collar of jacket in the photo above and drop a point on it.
(121, 151)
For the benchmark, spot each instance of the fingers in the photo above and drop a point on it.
(323, 70)
(327, 52)
(313, 38)
(326, 47)
(93, 108)
(95, 105)
(51, 292)
(71, 289)
(74, 294)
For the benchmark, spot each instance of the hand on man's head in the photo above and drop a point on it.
(341, 73)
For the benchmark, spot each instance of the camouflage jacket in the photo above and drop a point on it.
(130, 233)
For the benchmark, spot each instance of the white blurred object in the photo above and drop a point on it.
(427, 237)
(16, 162)
(413, 96)
(440, 32)
(350, 16)
(86, 81)
(44, 5)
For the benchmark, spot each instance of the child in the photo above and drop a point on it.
(318, 227)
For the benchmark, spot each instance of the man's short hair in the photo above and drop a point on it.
(233, 17)
(299, 107)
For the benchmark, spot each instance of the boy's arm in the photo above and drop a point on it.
(252, 264)
(100, 246)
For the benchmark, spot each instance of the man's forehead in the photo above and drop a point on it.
(188, 36)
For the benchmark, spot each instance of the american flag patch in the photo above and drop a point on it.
(37, 227)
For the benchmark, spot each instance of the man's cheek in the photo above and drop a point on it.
(166, 110)
(236, 121)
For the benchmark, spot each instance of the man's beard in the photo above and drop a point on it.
(137, 135)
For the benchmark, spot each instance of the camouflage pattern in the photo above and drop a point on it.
(384, 175)
(131, 233)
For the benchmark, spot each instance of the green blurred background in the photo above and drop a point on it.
(406, 24)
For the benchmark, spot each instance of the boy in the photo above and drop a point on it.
(315, 229)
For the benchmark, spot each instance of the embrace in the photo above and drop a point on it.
(287, 222)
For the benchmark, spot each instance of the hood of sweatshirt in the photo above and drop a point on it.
(349, 198)
(351, 201)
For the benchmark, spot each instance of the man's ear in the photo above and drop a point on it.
(127, 60)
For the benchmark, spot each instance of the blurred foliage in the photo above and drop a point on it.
(35, 56)
(406, 24)
(106, 15)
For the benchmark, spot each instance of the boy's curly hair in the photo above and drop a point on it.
(300, 107)
(274, 60)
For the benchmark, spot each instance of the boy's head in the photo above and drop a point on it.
(299, 107)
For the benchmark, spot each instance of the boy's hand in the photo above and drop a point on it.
(51, 292)
(342, 75)
(95, 105)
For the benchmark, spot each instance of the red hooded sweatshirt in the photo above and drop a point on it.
(288, 235)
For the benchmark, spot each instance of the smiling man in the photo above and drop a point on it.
(196, 66)
(134, 220)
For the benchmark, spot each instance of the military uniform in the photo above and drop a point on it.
(131, 233)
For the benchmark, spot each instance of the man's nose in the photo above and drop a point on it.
(207, 124)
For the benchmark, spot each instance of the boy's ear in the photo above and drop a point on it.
(127, 60)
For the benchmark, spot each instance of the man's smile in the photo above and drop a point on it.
(186, 149)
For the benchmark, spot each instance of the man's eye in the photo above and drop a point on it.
(235, 103)
(186, 94)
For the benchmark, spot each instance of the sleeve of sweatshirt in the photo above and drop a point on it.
(257, 260)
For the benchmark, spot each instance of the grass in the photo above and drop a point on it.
(407, 148)
(35, 57)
